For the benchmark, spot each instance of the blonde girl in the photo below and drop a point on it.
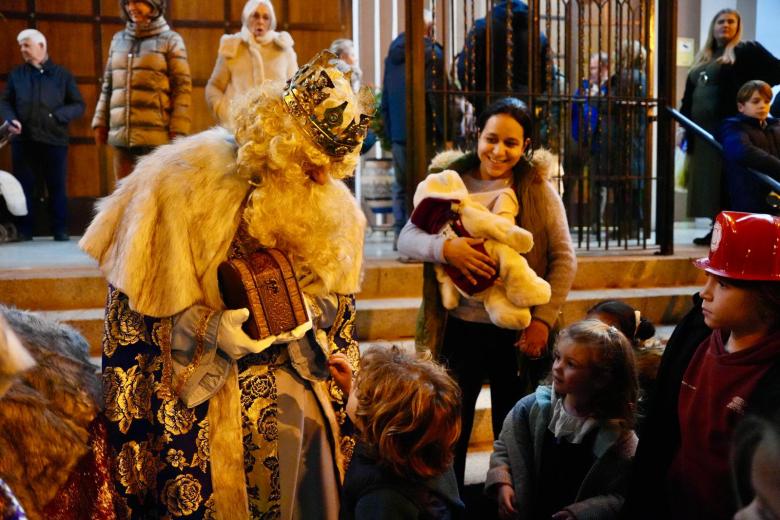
(565, 450)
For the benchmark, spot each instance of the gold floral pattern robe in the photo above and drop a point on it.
(161, 449)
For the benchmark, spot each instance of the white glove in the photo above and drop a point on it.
(232, 339)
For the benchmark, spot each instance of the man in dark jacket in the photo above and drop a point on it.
(39, 101)
(473, 62)
(393, 109)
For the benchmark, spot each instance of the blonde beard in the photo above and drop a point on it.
(319, 227)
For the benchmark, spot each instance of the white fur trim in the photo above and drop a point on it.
(228, 45)
(148, 236)
(443, 159)
(227, 462)
(283, 40)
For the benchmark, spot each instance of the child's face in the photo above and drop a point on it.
(765, 479)
(571, 370)
(729, 307)
(757, 106)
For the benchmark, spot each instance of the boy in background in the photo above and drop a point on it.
(751, 140)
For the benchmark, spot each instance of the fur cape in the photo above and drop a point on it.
(161, 235)
(46, 413)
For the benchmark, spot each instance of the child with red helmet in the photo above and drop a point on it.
(722, 361)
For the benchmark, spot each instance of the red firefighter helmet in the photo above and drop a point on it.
(745, 246)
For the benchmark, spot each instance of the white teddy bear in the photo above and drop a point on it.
(443, 206)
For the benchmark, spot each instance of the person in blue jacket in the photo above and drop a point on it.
(393, 109)
(751, 140)
(39, 101)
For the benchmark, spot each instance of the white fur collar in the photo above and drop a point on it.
(544, 163)
(161, 235)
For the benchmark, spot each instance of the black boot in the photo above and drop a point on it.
(705, 240)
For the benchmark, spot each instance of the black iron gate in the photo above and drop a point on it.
(586, 70)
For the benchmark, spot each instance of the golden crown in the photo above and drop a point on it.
(305, 95)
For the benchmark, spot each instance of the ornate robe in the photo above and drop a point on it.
(159, 239)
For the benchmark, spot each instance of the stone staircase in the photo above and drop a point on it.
(660, 287)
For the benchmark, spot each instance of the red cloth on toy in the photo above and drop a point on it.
(431, 215)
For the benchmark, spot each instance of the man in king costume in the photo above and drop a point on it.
(205, 421)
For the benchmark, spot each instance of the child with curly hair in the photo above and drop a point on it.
(408, 413)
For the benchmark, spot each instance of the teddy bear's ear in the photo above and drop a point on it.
(444, 185)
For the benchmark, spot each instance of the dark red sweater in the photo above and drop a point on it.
(714, 393)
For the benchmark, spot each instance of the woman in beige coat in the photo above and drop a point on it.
(248, 58)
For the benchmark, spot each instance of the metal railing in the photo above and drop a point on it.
(773, 187)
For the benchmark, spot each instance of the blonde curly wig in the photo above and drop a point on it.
(320, 227)
(271, 142)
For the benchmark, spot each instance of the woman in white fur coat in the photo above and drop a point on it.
(248, 58)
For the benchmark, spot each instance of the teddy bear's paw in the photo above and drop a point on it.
(503, 313)
(520, 239)
(528, 291)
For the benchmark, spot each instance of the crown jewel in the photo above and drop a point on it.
(305, 95)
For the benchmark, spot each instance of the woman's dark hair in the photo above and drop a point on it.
(512, 107)
(624, 317)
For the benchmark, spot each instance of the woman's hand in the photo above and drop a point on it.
(506, 502)
(459, 253)
(341, 371)
(563, 515)
(533, 340)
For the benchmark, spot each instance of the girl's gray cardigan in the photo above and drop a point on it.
(516, 460)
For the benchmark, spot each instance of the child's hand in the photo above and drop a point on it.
(341, 371)
(563, 515)
(506, 502)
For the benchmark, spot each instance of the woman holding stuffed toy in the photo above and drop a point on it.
(511, 179)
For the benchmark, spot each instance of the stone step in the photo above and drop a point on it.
(392, 318)
(82, 287)
(48, 289)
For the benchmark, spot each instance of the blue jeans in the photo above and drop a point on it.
(33, 162)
